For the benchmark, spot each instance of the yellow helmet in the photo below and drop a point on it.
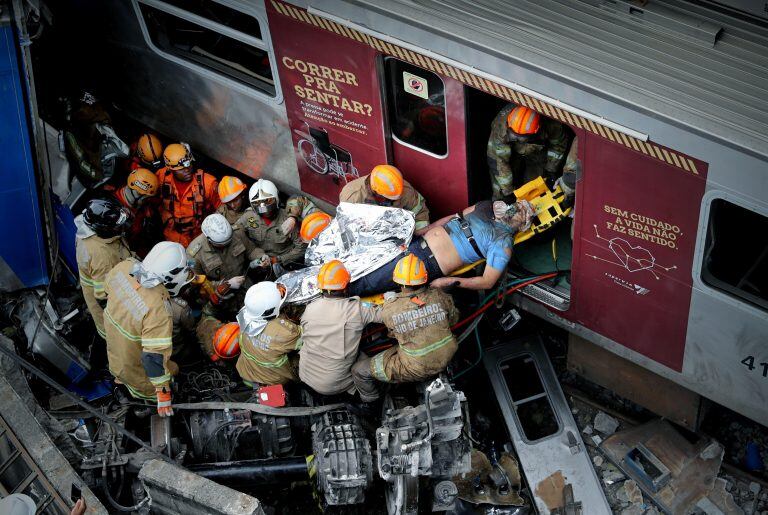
(230, 187)
(387, 181)
(149, 149)
(177, 156)
(410, 271)
(143, 182)
(313, 225)
(333, 276)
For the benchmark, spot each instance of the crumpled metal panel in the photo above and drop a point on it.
(362, 236)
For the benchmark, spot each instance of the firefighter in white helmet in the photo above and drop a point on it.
(223, 255)
(139, 323)
(264, 223)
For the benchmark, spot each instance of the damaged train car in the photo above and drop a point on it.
(650, 268)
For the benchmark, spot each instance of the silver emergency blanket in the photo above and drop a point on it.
(362, 236)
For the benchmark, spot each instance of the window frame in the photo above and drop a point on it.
(701, 250)
(264, 44)
(385, 84)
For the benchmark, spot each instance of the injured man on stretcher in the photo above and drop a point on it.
(369, 240)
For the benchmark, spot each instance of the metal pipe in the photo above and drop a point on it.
(254, 472)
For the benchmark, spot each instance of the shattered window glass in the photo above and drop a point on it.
(416, 106)
(733, 263)
(228, 56)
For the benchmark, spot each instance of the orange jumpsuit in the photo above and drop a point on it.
(186, 204)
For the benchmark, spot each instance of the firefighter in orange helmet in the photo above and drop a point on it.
(385, 186)
(147, 152)
(233, 198)
(139, 196)
(187, 195)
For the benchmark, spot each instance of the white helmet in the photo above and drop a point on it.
(263, 300)
(262, 190)
(217, 229)
(167, 261)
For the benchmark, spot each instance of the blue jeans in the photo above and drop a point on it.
(380, 280)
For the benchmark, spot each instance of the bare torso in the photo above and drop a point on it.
(443, 249)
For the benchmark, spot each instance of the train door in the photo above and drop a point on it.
(425, 114)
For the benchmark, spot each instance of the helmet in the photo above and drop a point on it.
(230, 187)
(217, 229)
(177, 156)
(313, 225)
(333, 276)
(106, 217)
(523, 121)
(149, 149)
(143, 182)
(387, 181)
(226, 341)
(168, 261)
(262, 190)
(263, 300)
(410, 271)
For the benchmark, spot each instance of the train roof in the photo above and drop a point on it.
(700, 65)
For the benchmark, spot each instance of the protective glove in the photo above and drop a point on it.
(222, 288)
(164, 408)
(236, 282)
(288, 225)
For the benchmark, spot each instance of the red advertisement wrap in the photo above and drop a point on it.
(333, 104)
(637, 233)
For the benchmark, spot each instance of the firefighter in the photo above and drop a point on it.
(298, 207)
(223, 256)
(420, 318)
(233, 198)
(263, 224)
(268, 340)
(139, 197)
(147, 152)
(313, 225)
(187, 195)
(139, 324)
(331, 329)
(385, 186)
(99, 246)
(219, 340)
(523, 146)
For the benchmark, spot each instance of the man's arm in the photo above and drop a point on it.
(484, 282)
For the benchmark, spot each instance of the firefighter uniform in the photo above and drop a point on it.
(185, 205)
(145, 229)
(230, 214)
(299, 207)
(359, 192)
(95, 258)
(266, 358)
(513, 163)
(205, 330)
(331, 329)
(138, 321)
(421, 322)
(183, 321)
(269, 239)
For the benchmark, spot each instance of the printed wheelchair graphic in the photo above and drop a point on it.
(324, 157)
(632, 258)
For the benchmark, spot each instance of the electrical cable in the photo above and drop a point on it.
(479, 357)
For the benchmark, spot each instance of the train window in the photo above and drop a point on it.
(416, 105)
(734, 263)
(224, 49)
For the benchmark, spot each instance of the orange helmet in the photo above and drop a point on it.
(143, 181)
(230, 187)
(523, 120)
(333, 276)
(313, 225)
(387, 181)
(410, 271)
(149, 149)
(177, 156)
(226, 341)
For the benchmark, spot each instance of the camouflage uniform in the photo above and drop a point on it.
(95, 258)
(359, 192)
(265, 359)
(138, 323)
(231, 215)
(300, 207)
(421, 322)
(512, 163)
(269, 238)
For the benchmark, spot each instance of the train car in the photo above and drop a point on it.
(668, 243)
